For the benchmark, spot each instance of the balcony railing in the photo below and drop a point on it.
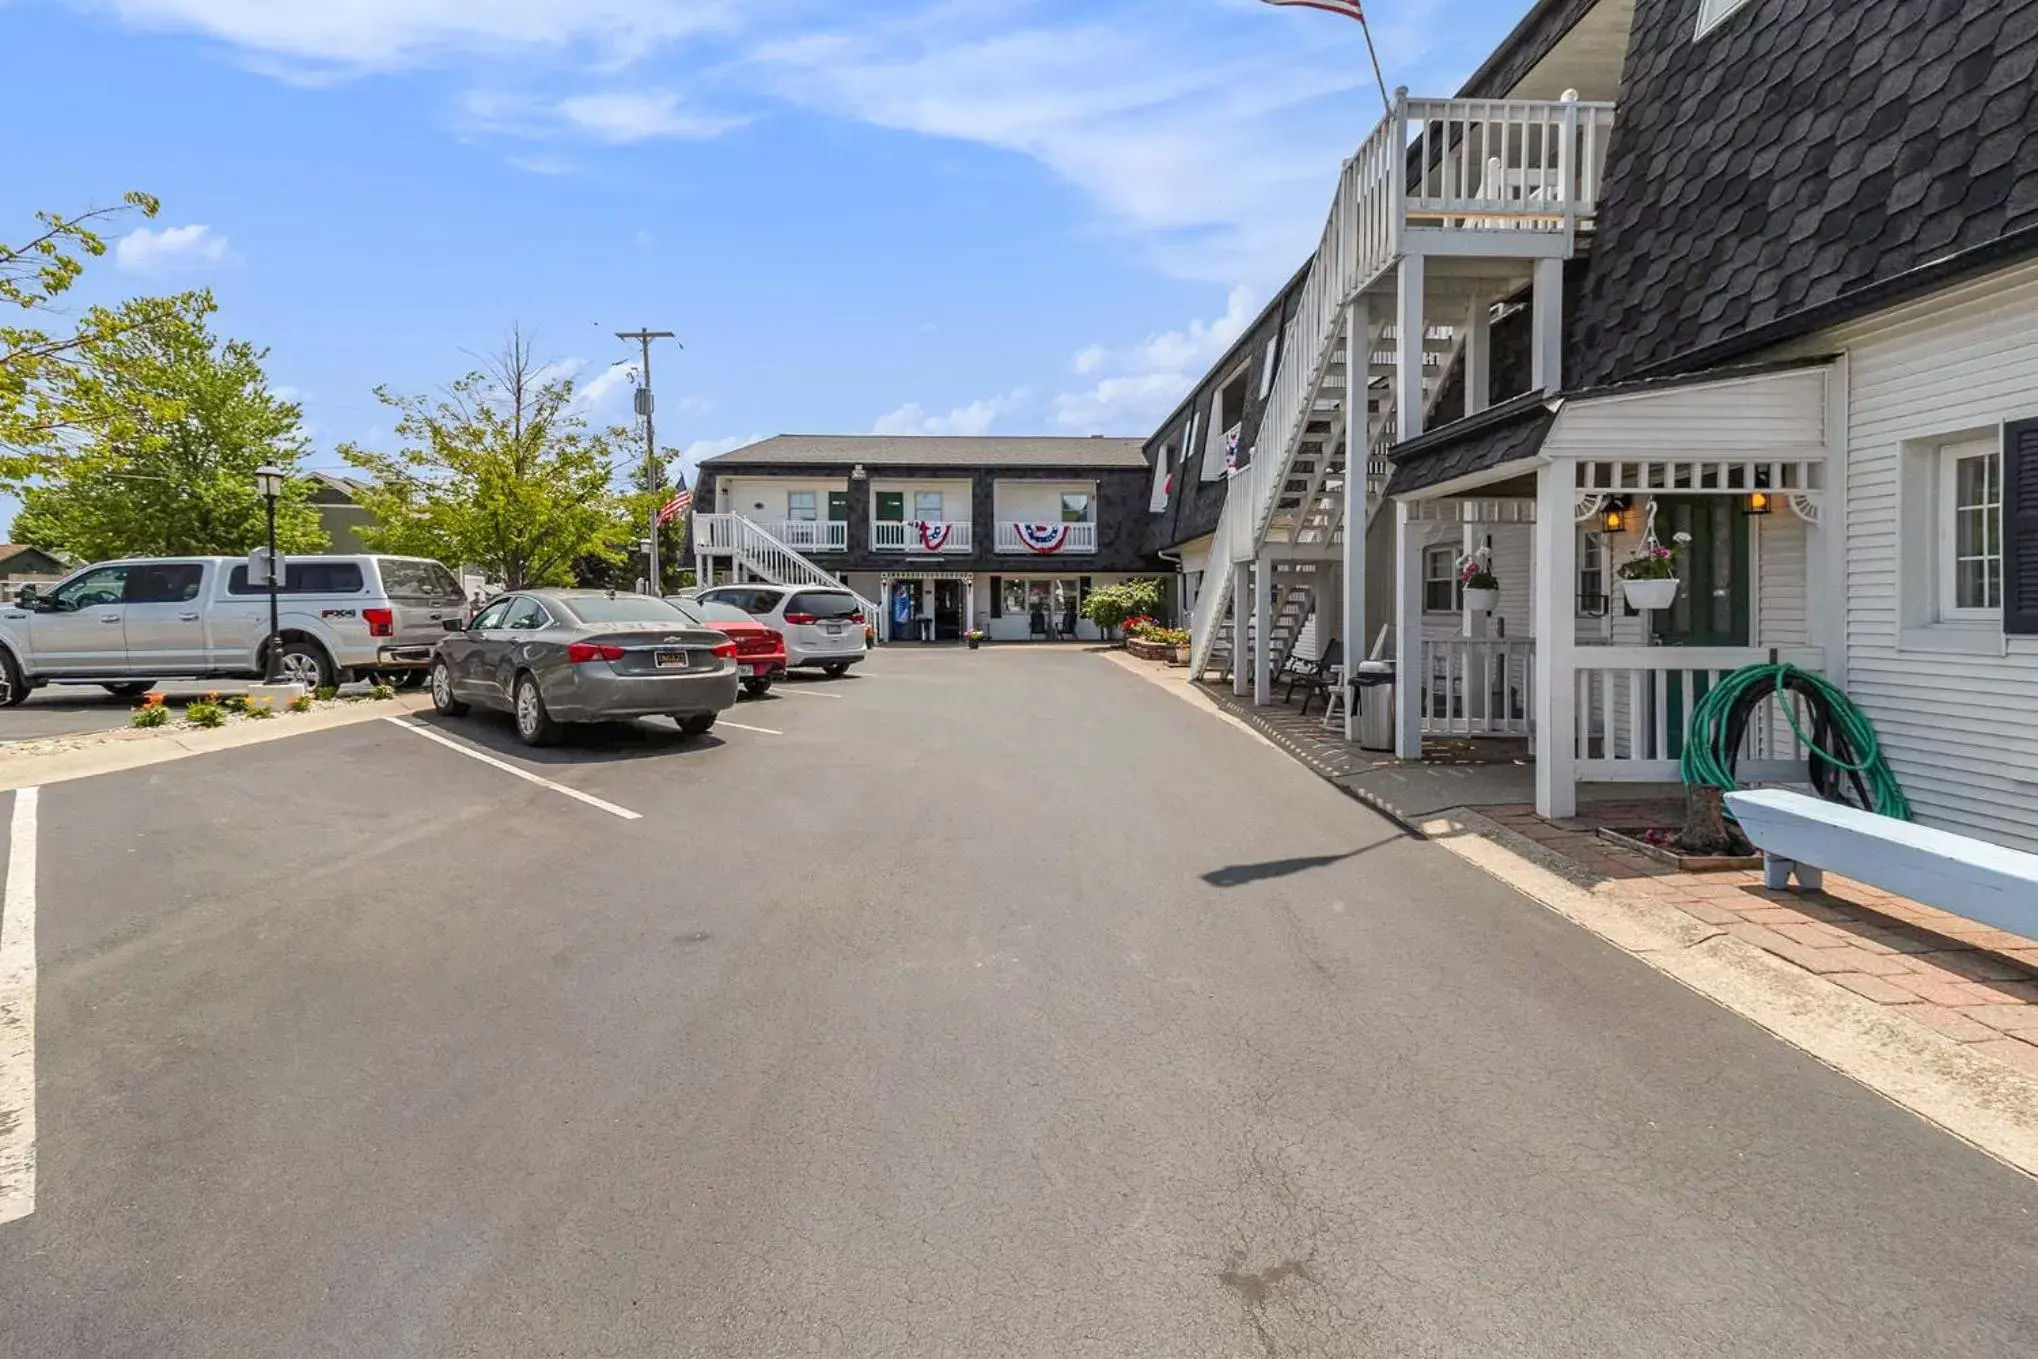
(812, 535)
(1477, 686)
(1047, 539)
(915, 535)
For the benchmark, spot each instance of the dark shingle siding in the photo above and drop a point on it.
(1804, 153)
(1507, 433)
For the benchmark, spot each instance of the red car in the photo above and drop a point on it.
(760, 651)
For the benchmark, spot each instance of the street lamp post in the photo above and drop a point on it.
(269, 485)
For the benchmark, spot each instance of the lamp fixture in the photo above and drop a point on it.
(1759, 502)
(1613, 518)
(857, 473)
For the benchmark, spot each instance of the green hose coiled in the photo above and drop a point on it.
(1841, 741)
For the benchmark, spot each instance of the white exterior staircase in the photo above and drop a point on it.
(765, 557)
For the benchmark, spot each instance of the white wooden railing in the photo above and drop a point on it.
(764, 554)
(812, 535)
(1426, 173)
(891, 535)
(1635, 704)
(1478, 686)
(1041, 540)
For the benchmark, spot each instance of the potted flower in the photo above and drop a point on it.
(1481, 586)
(1649, 577)
(975, 638)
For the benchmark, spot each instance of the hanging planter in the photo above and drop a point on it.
(1479, 586)
(1649, 577)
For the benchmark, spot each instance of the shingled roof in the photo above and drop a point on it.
(935, 450)
(1801, 163)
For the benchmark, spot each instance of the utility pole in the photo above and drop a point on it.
(645, 404)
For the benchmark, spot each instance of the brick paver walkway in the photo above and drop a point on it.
(1971, 982)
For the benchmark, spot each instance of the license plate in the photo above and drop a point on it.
(832, 629)
(753, 669)
(669, 660)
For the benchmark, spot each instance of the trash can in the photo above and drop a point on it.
(1375, 681)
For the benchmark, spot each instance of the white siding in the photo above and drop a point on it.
(1777, 414)
(763, 499)
(1960, 729)
(1037, 502)
(955, 496)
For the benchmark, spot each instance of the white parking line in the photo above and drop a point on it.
(526, 775)
(17, 1015)
(798, 691)
(761, 731)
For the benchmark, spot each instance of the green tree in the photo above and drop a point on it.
(38, 361)
(166, 424)
(500, 472)
(1109, 606)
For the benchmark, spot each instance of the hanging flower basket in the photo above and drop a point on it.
(1651, 594)
(1649, 577)
(1481, 601)
(1481, 588)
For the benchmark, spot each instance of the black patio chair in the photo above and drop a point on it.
(1301, 670)
(1322, 681)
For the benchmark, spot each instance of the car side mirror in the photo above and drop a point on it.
(25, 596)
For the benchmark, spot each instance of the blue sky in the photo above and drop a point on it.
(938, 215)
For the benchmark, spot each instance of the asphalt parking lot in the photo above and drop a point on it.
(979, 1004)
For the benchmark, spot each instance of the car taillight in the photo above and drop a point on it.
(801, 619)
(580, 653)
(857, 618)
(381, 622)
(726, 650)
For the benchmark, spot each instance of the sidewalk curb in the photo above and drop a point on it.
(1973, 1097)
(114, 751)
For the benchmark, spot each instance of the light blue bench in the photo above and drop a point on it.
(1971, 878)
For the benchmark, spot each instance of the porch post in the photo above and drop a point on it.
(1408, 318)
(1241, 600)
(1547, 326)
(1479, 357)
(1475, 681)
(1352, 612)
(1556, 571)
(1263, 651)
(969, 603)
(1407, 637)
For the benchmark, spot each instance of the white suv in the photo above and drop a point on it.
(823, 628)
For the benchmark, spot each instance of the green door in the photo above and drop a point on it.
(838, 507)
(891, 507)
(1712, 608)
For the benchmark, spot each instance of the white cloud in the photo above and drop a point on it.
(714, 448)
(599, 393)
(975, 418)
(1143, 382)
(541, 165)
(169, 250)
(621, 117)
(380, 34)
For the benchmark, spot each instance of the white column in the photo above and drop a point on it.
(1547, 328)
(1556, 571)
(1474, 681)
(969, 604)
(1479, 357)
(1263, 649)
(1407, 636)
(1408, 318)
(1241, 600)
(1352, 613)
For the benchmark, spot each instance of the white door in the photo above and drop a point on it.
(77, 629)
(164, 624)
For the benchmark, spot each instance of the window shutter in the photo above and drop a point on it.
(2020, 528)
(997, 597)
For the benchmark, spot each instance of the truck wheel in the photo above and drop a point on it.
(129, 688)
(13, 687)
(306, 663)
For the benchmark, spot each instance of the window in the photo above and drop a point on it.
(303, 578)
(406, 578)
(800, 507)
(1713, 13)
(1267, 365)
(1970, 531)
(623, 609)
(1163, 478)
(492, 616)
(1075, 507)
(528, 615)
(1439, 579)
(93, 590)
(1593, 554)
(927, 506)
(832, 605)
(1015, 596)
(164, 583)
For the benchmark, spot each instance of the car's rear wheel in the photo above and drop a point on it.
(535, 726)
(129, 688)
(442, 691)
(306, 663)
(13, 687)
(835, 669)
(757, 688)
(698, 725)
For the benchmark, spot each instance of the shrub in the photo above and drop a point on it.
(325, 693)
(302, 703)
(1167, 636)
(259, 709)
(234, 703)
(382, 691)
(1112, 606)
(150, 714)
(205, 713)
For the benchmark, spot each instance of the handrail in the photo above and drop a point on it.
(770, 557)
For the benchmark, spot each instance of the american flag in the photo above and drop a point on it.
(675, 507)
(1349, 8)
(1231, 438)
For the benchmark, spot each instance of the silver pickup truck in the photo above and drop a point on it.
(127, 624)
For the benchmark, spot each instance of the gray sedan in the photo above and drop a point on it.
(555, 656)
